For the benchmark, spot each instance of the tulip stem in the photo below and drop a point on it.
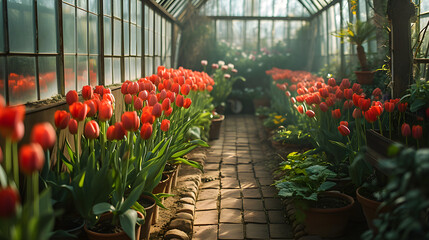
(58, 152)
(76, 146)
(103, 140)
(381, 127)
(92, 150)
(406, 141)
(417, 144)
(15, 163)
(8, 160)
(390, 125)
(35, 182)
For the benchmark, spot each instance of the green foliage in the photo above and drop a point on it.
(357, 33)
(417, 96)
(292, 134)
(223, 85)
(275, 120)
(263, 111)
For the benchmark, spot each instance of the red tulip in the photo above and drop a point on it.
(146, 131)
(78, 111)
(332, 82)
(9, 200)
(43, 134)
(109, 97)
(336, 113)
(323, 106)
(348, 104)
(348, 93)
(175, 88)
(166, 103)
(87, 92)
(402, 106)
(71, 97)
(357, 113)
(168, 112)
(143, 95)
(152, 100)
(187, 103)
(147, 116)
(92, 108)
(300, 109)
(162, 95)
(138, 104)
(128, 98)
(10, 119)
(292, 100)
(157, 110)
(371, 115)
(417, 131)
(377, 93)
(31, 158)
(73, 126)
(405, 130)
(105, 111)
(133, 88)
(345, 123)
(324, 92)
(18, 132)
(130, 121)
(390, 107)
(124, 88)
(345, 83)
(165, 125)
(120, 131)
(99, 90)
(427, 112)
(287, 93)
(92, 130)
(185, 89)
(62, 119)
(110, 133)
(310, 113)
(356, 87)
(171, 96)
(344, 130)
(364, 104)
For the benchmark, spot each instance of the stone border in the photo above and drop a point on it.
(181, 225)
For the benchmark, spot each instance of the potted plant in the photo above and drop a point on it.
(358, 33)
(325, 213)
(216, 125)
(291, 136)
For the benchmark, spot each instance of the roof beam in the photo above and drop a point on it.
(258, 18)
(162, 10)
(324, 8)
(305, 6)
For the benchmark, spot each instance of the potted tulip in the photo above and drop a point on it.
(358, 33)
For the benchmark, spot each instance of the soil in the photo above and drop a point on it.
(106, 226)
(327, 202)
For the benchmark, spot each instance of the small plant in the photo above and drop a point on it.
(263, 111)
(275, 120)
(292, 135)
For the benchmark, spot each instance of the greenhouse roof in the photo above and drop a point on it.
(301, 9)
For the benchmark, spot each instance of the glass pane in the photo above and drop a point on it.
(362, 10)
(127, 68)
(148, 61)
(255, 8)
(133, 11)
(69, 73)
(150, 45)
(279, 31)
(93, 6)
(139, 41)
(107, 36)
(82, 32)
(69, 29)
(221, 30)
(21, 25)
(2, 75)
(47, 26)
(107, 71)
(266, 31)
(126, 39)
(2, 33)
(82, 4)
(48, 84)
(163, 37)
(126, 8)
(237, 7)
(139, 13)
(146, 42)
(251, 35)
(117, 38)
(117, 70)
(280, 8)
(82, 71)
(133, 40)
(21, 79)
(107, 7)
(266, 8)
(93, 33)
(117, 8)
(424, 6)
(132, 68)
(237, 33)
(93, 71)
(69, 1)
(223, 7)
(138, 67)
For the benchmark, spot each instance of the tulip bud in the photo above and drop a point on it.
(110, 133)
(62, 119)
(92, 108)
(165, 125)
(168, 112)
(138, 104)
(417, 131)
(130, 121)
(71, 97)
(179, 101)
(124, 88)
(128, 98)
(87, 92)
(105, 111)
(344, 130)
(357, 113)
(43, 134)
(152, 100)
(185, 89)
(187, 103)
(146, 131)
(405, 130)
(166, 104)
(9, 200)
(336, 113)
(143, 95)
(78, 110)
(310, 113)
(99, 90)
(120, 131)
(204, 62)
(345, 123)
(323, 106)
(92, 130)
(73, 126)
(31, 158)
(157, 110)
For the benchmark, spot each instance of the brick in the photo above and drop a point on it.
(243, 176)
(229, 174)
(187, 208)
(253, 204)
(273, 204)
(176, 234)
(206, 194)
(211, 174)
(181, 224)
(231, 231)
(254, 216)
(269, 191)
(245, 168)
(257, 231)
(183, 215)
(230, 193)
(229, 183)
(187, 200)
(210, 204)
(211, 166)
(230, 216)
(208, 232)
(206, 217)
(236, 203)
(251, 193)
(213, 159)
(248, 183)
(281, 231)
(215, 184)
(266, 181)
(276, 216)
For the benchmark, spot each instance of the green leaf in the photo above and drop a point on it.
(3, 177)
(128, 222)
(199, 142)
(325, 186)
(103, 207)
(132, 198)
(184, 152)
(417, 104)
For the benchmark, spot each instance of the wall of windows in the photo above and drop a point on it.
(50, 47)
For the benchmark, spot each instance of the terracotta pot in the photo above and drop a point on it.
(149, 207)
(160, 188)
(215, 127)
(170, 170)
(370, 208)
(175, 176)
(111, 236)
(330, 222)
(341, 184)
(365, 77)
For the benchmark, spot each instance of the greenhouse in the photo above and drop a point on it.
(214, 119)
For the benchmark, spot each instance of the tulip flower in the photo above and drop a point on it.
(332, 82)
(146, 131)
(157, 110)
(344, 130)
(175, 88)
(133, 88)
(356, 88)
(336, 113)
(92, 130)
(166, 103)
(417, 132)
(187, 103)
(124, 88)
(185, 89)
(130, 121)
(364, 104)
(147, 117)
(371, 115)
(92, 108)
(128, 98)
(310, 113)
(152, 100)
(71, 97)
(138, 104)
(120, 131)
(204, 63)
(10, 117)
(390, 107)
(143, 95)
(300, 109)
(345, 123)
(73, 126)
(9, 200)
(324, 92)
(62, 119)
(406, 131)
(402, 107)
(348, 93)
(168, 112)
(87, 92)
(377, 93)
(78, 111)
(43, 134)
(345, 83)
(110, 133)
(31, 158)
(323, 106)
(165, 125)
(105, 111)
(99, 89)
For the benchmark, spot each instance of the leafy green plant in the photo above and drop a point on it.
(223, 84)
(293, 135)
(263, 111)
(274, 121)
(417, 96)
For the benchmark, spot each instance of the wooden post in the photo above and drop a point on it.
(399, 13)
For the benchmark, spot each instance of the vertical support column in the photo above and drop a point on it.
(342, 50)
(399, 13)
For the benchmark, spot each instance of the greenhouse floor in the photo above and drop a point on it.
(236, 199)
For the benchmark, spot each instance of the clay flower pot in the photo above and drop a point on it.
(160, 188)
(371, 208)
(111, 236)
(328, 222)
(149, 206)
(215, 127)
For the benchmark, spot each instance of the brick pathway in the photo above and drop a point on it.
(237, 201)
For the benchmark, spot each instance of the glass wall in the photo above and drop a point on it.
(34, 67)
